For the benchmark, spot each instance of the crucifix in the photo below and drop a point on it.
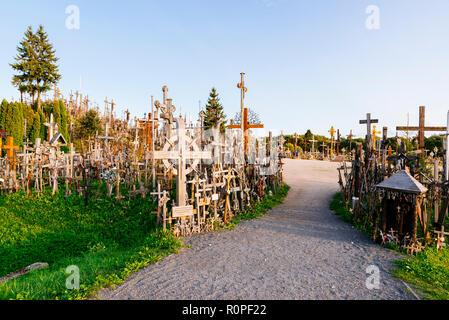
(332, 132)
(421, 128)
(368, 121)
(313, 143)
(182, 154)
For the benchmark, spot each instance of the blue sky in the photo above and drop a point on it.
(309, 64)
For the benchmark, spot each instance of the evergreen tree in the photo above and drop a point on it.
(214, 111)
(88, 125)
(36, 64)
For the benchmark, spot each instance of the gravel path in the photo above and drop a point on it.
(299, 250)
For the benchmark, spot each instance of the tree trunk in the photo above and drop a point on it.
(38, 100)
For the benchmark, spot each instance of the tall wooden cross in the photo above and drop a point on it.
(368, 121)
(421, 128)
(313, 143)
(245, 125)
(332, 132)
(374, 132)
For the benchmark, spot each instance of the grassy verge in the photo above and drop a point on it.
(106, 240)
(428, 271)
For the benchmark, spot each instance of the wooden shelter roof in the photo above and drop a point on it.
(402, 181)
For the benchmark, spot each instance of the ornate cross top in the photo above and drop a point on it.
(332, 132)
(421, 128)
(10, 147)
(368, 123)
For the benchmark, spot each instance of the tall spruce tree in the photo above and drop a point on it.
(35, 64)
(214, 111)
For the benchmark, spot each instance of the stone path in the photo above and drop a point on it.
(299, 250)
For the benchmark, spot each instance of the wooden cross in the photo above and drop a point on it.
(368, 123)
(245, 125)
(181, 155)
(10, 147)
(421, 128)
(374, 132)
(332, 132)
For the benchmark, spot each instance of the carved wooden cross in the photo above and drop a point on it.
(368, 123)
(313, 143)
(421, 128)
(332, 132)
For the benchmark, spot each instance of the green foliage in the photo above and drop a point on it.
(35, 63)
(107, 240)
(214, 111)
(258, 209)
(88, 125)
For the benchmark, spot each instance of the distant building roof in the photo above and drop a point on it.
(402, 182)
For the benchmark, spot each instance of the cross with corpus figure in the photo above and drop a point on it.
(332, 132)
(245, 125)
(421, 128)
(368, 123)
(181, 155)
(10, 147)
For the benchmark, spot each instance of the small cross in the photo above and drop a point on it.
(368, 123)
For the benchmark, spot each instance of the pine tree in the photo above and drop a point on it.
(36, 64)
(214, 111)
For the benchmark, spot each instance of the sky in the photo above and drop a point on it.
(308, 64)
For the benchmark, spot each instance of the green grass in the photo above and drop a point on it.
(107, 240)
(428, 271)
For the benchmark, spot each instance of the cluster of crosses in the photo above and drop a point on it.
(199, 177)
(399, 193)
